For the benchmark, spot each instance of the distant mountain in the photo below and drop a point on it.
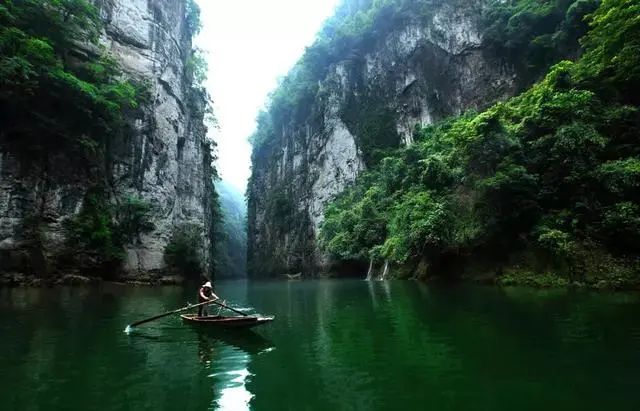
(231, 246)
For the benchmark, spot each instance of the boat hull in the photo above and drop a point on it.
(216, 321)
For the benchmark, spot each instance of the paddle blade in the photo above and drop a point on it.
(127, 330)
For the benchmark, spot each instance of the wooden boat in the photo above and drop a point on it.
(219, 321)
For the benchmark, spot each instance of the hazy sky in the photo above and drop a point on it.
(249, 45)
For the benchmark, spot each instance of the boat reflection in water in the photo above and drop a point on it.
(227, 355)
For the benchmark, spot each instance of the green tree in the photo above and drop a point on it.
(612, 58)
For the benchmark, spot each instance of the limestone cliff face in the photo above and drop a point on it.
(164, 159)
(415, 74)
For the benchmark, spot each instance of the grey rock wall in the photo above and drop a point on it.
(418, 73)
(164, 159)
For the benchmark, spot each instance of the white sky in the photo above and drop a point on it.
(249, 45)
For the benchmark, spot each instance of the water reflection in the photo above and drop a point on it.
(227, 354)
(205, 350)
(407, 345)
(229, 375)
(340, 345)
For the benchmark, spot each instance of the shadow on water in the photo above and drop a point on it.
(246, 340)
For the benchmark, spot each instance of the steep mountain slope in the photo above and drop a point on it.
(542, 189)
(61, 207)
(379, 71)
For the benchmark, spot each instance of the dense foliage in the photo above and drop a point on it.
(58, 87)
(554, 172)
(534, 34)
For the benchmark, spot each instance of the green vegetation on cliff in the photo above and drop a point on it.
(67, 111)
(61, 92)
(183, 254)
(96, 237)
(534, 34)
(58, 87)
(354, 29)
(545, 184)
(531, 34)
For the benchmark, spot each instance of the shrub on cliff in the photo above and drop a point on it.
(183, 253)
(97, 236)
(93, 232)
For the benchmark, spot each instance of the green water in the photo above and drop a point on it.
(338, 345)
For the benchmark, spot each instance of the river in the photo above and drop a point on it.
(335, 345)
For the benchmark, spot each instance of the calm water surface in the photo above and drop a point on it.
(340, 345)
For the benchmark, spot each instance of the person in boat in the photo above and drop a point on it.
(205, 294)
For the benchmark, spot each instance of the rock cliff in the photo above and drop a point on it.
(164, 159)
(412, 73)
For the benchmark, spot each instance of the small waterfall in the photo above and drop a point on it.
(370, 271)
(385, 272)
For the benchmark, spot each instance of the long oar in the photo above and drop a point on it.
(228, 308)
(146, 320)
